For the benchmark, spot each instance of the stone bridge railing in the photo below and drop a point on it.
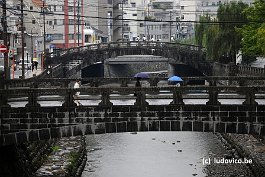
(237, 70)
(123, 82)
(33, 95)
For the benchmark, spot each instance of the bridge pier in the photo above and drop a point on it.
(124, 83)
(250, 97)
(153, 82)
(32, 97)
(213, 98)
(140, 99)
(69, 99)
(177, 97)
(105, 99)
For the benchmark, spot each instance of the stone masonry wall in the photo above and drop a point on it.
(30, 124)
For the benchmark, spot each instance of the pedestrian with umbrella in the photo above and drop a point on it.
(175, 80)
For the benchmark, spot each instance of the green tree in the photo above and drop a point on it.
(220, 35)
(253, 33)
(230, 17)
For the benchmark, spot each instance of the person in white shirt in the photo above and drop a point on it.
(144, 38)
(76, 96)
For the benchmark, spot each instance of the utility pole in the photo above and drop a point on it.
(78, 21)
(44, 36)
(4, 25)
(122, 21)
(170, 26)
(22, 39)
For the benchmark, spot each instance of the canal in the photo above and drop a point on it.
(160, 154)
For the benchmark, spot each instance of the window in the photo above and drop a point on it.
(86, 38)
(182, 17)
(71, 22)
(133, 4)
(31, 7)
(135, 15)
(109, 1)
(50, 22)
(182, 7)
(54, 8)
(141, 25)
(55, 21)
(33, 21)
(71, 36)
(165, 36)
(57, 36)
(70, 9)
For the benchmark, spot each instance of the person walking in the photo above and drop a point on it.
(35, 63)
(76, 96)
(144, 38)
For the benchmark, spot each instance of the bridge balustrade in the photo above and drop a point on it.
(110, 45)
(96, 82)
(33, 95)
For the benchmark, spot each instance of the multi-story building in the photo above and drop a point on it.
(98, 21)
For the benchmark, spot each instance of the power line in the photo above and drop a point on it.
(139, 20)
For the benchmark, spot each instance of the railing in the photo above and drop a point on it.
(153, 44)
(96, 82)
(213, 94)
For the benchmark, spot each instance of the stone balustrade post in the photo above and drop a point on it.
(177, 97)
(153, 82)
(124, 83)
(140, 98)
(250, 97)
(94, 83)
(32, 97)
(105, 99)
(213, 97)
(69, 99)
(4, 100)
(3, 96)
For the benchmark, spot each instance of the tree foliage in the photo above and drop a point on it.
(253, 33)
(221, 38)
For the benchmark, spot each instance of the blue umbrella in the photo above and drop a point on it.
(175, 79)
(141, 75)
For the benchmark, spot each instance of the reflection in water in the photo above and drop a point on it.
(148, 154)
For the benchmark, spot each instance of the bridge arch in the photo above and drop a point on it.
(188, 54)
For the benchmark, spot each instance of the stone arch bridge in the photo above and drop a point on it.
(37, 122)
(88, 55)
